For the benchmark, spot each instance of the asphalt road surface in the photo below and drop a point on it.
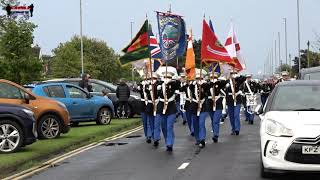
(233, 158)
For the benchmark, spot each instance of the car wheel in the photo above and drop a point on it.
(11, 136)
(104, 116)
(49, 127)
(263, 172)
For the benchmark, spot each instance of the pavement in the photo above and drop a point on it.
(131, 158)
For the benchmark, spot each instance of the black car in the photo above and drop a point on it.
(98, 86)
(17, 127)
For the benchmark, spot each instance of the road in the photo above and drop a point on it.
(234, 157)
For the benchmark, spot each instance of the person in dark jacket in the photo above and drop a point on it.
(123, 94)
(85, 84)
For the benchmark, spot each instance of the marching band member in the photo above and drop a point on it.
(215, 104)
(234, 100)
(166, 108)
(249, 88)
(187, 109)
(144, 101)
(265, 91)
(150, 108)
(199, 91)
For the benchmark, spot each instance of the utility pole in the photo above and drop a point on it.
(286, 39)
(308, 53)
(275, 55)
(81, 40)
(272, 62)
(280, 61)
(298, 14)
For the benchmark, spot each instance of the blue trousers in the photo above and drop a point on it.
(144, 123)
(150, 126)
(189, 121)
(179, 112)
(234, 116)
(157, 128)
(264, 100)
(167, 126)
(199, 125)
(215, 121)
(249, 117)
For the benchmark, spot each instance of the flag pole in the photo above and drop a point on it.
(151, 71)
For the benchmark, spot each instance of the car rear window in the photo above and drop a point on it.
(55, 91)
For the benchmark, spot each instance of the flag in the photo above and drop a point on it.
(138, 47)
(233, 47)
(190, 60)
(211, 49)
(155, 51)
(172, 36)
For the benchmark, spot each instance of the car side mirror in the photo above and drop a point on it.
(259, 109)
(26, 98)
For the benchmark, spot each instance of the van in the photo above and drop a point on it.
(310, 73)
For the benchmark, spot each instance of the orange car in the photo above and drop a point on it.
(52, 116)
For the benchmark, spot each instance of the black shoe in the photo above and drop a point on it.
(237, 133)
(148, 141)
(251, 122)
(215, 139)
(184, 122)
(156, 143)
(169, 148)
(202, 144)
(192, 134)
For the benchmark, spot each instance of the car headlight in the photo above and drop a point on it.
(274, 128)
(62, 105)
(28, 112)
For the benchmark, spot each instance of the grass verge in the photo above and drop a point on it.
(43, 150)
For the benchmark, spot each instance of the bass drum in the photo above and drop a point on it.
(251, 102)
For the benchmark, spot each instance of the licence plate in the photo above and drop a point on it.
(310, 149)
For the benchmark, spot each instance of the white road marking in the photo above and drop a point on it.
(183, 166)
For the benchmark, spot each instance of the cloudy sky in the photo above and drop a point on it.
(257, 22)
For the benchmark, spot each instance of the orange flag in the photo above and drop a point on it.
(190, 65)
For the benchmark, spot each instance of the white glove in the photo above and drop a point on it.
(138, 88)
(228, 85)
(240, 92)
(194, 82)
(159, 87)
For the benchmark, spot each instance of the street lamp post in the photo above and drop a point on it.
(286, 39)
(81, 40)
(280, 61)
(308, 53)
(298, 14)
(275, 55)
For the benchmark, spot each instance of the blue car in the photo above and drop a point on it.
(82, 106)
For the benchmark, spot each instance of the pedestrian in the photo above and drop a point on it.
(85, 84)
(265, 91)
(215, 104)
(249, 89)
(199, 91)
(123, 94)
(166, 108)
(234, 101)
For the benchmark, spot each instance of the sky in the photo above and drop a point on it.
(257, 22)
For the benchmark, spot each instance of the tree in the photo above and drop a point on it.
(17, 61)
(99, 60)
(314, 58)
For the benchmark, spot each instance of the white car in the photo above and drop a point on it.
(290, 128)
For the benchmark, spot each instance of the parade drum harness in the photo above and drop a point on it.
(251, 100)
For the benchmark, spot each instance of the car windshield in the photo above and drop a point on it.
(111, 86)
(297, 98)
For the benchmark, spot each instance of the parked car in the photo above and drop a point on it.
(52, 116)
(17, 127)
(290, 128)
(310, 73)
(82, 106)
(98, 86)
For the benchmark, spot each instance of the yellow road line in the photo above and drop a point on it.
(52, 162)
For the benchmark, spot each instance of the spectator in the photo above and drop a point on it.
(85, 84)
(123, 94)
